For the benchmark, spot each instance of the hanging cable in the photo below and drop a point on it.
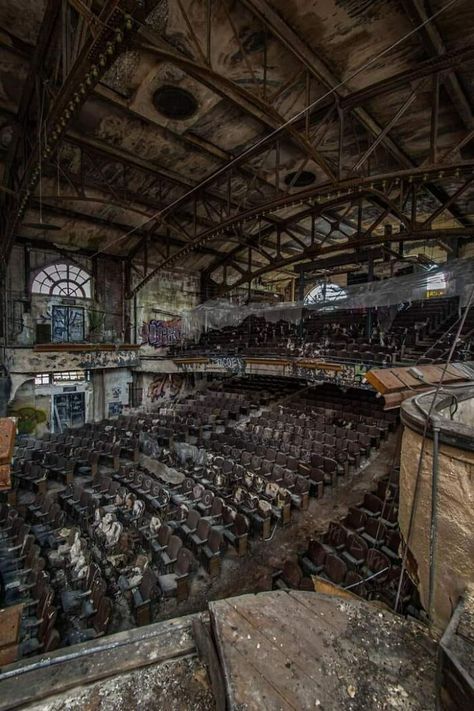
(275, 132)
(422, 451)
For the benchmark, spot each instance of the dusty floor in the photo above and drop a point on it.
(253, 572)
(179, 685)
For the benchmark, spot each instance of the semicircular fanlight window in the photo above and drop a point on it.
(62, 280)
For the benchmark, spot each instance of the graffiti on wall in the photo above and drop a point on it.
(115, 409)
(350, 374)
(106, 359)
(161, 333)
(231, 363)
(166, 387)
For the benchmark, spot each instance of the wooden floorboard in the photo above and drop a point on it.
(301, 650)
(32, 680)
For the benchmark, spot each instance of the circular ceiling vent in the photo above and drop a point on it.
(300, 180)
(175, 103)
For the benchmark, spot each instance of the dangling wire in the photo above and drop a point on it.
(422, 450)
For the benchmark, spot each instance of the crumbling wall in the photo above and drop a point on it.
(454, 553)
(159, 306)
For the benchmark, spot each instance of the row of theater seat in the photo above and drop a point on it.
(360, 553)
(340, 335)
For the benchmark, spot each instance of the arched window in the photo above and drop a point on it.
(325, 292)
(62, 280)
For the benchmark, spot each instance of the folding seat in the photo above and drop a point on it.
(330, 468)
(211, 552)
(168, 556)
(41, 635)
(158, 543)
(235, 531)
(200, 537)
(291, 576)
(335, 538)
(389, 516)
(176, 584)
(335, 569)
(355, 520)
(316, 460)
(190, 525)
(355, 583)
(374, 532)
(256, 463)
(355, 551)
(205, 502)
(312, 562)
(392, 546)
(376, 563)
(277, 473)
(372, 505)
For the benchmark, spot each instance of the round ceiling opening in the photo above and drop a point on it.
(300, 179)
(175, 103)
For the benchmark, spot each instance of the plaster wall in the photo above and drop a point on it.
(25, 360)
(164, 298)
(32, 405)
(454, 555)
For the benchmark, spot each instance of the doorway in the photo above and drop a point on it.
(69, 411)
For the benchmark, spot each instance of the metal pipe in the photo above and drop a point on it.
(433, 526)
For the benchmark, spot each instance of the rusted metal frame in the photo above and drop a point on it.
(448, 203)
(99, 201)
(340, 156)
(209, 32)
(293, 238)
(353, 244)
(58, 110)
(313, 211)
(376, 223)
(287, 85)
(88, 16)
(278, 203)
(434, 118)
(277, 167)
(303, 163)
(191, 31)
(100, 169)
(265, 62)
(241, 46)
(447, 62)
(324, 126)
(290, 39)
(118, 154)
(435, 46)
(414, 195)
(388, 127)
(45, 35)
(464, 141)
(307, 103)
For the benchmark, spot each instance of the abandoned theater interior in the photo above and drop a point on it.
(236, 354)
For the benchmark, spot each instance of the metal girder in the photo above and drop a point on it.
(61, 98)
(123, 227)
(420, 235)
(348, 188)
(434, 45)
